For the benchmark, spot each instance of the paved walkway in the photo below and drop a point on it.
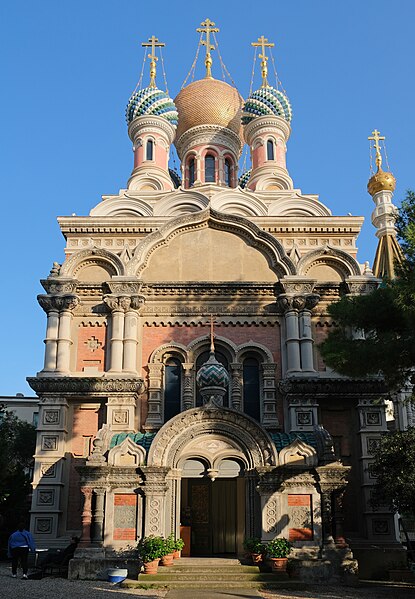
(228, 594)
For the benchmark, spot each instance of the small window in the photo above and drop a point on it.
(172, 388)
(251, 388)
(149, 149)
(228, 172)
(270, 150)
(210, 169)
(192, 172)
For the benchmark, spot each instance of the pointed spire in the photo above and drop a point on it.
(263, 43)
(153, 43)
(208, 27)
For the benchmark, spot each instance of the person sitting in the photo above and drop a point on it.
(59, 558)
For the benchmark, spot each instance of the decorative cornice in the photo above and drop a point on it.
(147, 123)
(306, 388)
(208, 134)
(85, 385)
(264, 124)
(59, 285)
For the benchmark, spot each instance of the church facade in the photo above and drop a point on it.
(182, 390)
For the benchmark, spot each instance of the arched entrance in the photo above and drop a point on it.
(208, 460)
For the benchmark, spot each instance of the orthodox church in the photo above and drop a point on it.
(182, 390)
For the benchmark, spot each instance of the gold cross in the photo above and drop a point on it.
(264, 43)
(208, 27)
(212, 336)
(377, 137)
(153, 43)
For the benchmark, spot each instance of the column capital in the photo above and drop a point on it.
(124, 303)
(58, 303)
(296, 285)
(289, 302)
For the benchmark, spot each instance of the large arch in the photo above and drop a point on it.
(241, 430)
(254, 237)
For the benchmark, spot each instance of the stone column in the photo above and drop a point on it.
(155, 490)
(118, 305)
(154, 420)
(52, 328)
(66, 304)
(327, 516)
(269, 406)
(86, 517)
(188, 386)
(236, 389)
(98, 528)
(306, 336)
(291, 304)
(131, 333)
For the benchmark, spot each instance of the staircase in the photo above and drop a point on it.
(212, 573)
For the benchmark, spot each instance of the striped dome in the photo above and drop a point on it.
(212, 374)
(151, 101)
(244, 178)
(266, 101)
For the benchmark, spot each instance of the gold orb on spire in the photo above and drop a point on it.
(381, 180)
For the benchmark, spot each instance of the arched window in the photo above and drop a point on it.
(228, 165)
(204, 357)
(270, 150)
(210, 169)
(172, 388)
(192, 171)
(149, 149)
(251, 388)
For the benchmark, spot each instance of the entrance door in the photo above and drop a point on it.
(213, 516)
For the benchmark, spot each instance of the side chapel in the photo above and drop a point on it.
(182, 384)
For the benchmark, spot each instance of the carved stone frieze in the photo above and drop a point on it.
(59, 286)
(313, 388)
(125, 287)
(91, 385)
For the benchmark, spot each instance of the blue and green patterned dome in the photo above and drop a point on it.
(151, 101)
(244, 178)
(266, 101)
(212, 374)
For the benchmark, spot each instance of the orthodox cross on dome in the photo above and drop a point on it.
(263, 43)
(376, 137)
(208, 27)
(152, 43)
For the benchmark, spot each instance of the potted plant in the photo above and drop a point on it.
(169, 546)
(178, 546)
(150, 550)
(278, 551)
(255, 548)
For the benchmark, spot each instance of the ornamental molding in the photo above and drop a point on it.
(58, 303)
(85, 385)
(273, 251)
(191, 318)
(81, 258)
(124, 303)
(298, 455)
(327, 255)
(148, 124)
(208, 134)
(313, 388)
(241, 430)
(266, 124)
(126, 448)
(362, 285)
(59, 286)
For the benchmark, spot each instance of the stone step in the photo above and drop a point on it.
(202, 569)
(213, 584)
(201, 576)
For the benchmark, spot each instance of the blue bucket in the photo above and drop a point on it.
(117, 574)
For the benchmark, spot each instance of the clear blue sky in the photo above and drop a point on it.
(67, 71)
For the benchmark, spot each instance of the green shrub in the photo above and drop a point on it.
(151, 548)
(278, 548)
(178, 544)
(254, 545)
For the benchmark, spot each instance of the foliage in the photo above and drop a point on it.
(394, 468)
(17, 446)
(169, 545)
(178, 544)
(278, 548)
(151, 548)
(375, 333)
(254, 545)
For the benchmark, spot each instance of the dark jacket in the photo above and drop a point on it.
(20, 538)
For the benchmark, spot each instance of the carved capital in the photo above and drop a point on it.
(124, 303)
(47, 303)
(58, 303)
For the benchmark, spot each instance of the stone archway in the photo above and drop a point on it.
(213, 436)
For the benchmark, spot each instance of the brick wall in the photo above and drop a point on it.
(91, 346)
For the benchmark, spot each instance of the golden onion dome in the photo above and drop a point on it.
(381, 181)
(209, 102)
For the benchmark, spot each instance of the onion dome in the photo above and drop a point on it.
(244, 178)
(209, 102)
(381, 181)
(266, 101)
(212, 374)
(151, 101)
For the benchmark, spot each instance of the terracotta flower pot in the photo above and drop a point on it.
(256, 558)
(151, 567)
(279, 564)
(176, 554)
(167, 560)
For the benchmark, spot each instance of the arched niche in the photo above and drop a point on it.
(93, 266)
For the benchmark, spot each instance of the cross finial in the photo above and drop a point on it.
(212, 336)
(377, 137)
(153, 43)
(264, 43)
(208, 27)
